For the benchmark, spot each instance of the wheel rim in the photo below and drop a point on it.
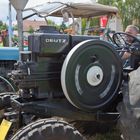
(94, 75)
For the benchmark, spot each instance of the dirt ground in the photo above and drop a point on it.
(98, 131)
(108, 136)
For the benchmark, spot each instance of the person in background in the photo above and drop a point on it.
(1, 41)
(5, 37)
(132, 30)
(132, 57)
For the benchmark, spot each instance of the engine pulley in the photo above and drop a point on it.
(91, 75)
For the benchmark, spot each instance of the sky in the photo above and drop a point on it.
(4, 8)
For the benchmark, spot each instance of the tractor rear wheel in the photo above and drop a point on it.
(48, 129)
(6, 85)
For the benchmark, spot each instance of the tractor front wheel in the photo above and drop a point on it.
(48, 129)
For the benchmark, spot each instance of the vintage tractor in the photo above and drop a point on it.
(75, 77)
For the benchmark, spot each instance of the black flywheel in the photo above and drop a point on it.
(91, 75)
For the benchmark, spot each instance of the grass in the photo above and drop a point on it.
(97, 131)
(108, 136)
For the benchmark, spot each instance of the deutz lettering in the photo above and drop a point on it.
(55, 40)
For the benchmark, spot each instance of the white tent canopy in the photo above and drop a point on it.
(79, 9)
(32, 3)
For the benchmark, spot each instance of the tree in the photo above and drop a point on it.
(129, 10)
(84, 21)
(15, 27)
(107, 2)
(31, 30)
(50, 22)
(134, 11)
(3, 26)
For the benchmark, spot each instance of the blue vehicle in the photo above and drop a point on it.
(8, 56)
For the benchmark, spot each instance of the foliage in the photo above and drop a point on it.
(84, 21)
(3, 26)
(31, 30)
(107, 2)
(15, 27)
(63, 26)
(15, 40)
(94, 22)
(50, 22)
(129, 10)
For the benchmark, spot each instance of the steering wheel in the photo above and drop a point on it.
(124, 40)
